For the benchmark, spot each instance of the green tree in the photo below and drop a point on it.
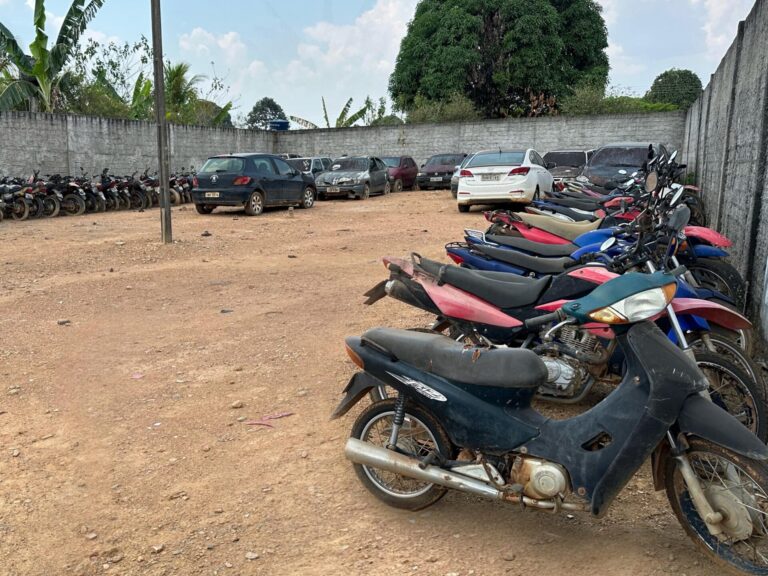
(181, 92)
(264, 111)
(40, 74)
(678, 87)
(344, 120)
(456, 108)
(506, 56)
(590, 100)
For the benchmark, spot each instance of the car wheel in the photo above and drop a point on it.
(204, 208)
(463, 207)
(366, 193)
(255, 204)
(308, 200)
(387, 189)
(398, 185)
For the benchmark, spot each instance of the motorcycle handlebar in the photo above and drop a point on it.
(555, 316)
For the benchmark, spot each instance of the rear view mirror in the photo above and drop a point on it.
(679, 218)
(678, 194)
(674, 155)
(651, 181)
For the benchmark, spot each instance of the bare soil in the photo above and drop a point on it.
(125, 445)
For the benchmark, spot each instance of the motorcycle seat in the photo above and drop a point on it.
(568, 230)
(533, 263)
(442, 356)
(549, 250)
(585, 204)
(498, 288)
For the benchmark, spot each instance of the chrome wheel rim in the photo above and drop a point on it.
(256, 204)
(309, 198)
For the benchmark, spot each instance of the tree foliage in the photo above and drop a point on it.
(589, 100)
(678, 87)
(455, 108)
(263, 112)
(40, 75)
(505, 56)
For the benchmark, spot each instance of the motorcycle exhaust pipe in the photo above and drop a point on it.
(411, 293)
(367, 454)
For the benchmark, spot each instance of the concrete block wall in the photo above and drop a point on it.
(726, 144)
(544, 134)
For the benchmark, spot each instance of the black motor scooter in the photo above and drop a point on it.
(463, 420)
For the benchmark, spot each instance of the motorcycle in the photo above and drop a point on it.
(463, 420)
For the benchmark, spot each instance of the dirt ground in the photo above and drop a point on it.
(125, 446)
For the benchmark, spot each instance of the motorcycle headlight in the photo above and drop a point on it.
(637, 307)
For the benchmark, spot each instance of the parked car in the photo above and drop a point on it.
(312, 166)
(287, 155)
(457, 172)
(402, 171)
(354, 177)
(496, 177)
(568, 163)
(610, 164)
(436, 172)
(253, 181)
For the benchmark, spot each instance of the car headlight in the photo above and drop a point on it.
(637, 307)
(421, 174)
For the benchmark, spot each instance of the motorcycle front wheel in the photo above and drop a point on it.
(735, 391)
(73, 205)
(52, 206)
(419, 435)
(737, 487)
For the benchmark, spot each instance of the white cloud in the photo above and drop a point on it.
(622, 64)
(721, 21)
(610, 11)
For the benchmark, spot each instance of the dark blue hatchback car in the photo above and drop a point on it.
(253, 181)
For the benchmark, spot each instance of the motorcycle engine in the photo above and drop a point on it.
(567, 376)
(540, 479)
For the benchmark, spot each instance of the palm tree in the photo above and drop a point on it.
(37, 76)
(181, 93)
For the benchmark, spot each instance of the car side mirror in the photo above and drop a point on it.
(551, 165)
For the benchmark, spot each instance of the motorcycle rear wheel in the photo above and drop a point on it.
(52, 206)
(721, 276)
(20, 209)
(73, 205)
(419, 435)
(735, 485)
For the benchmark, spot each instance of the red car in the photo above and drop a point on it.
(402, 171)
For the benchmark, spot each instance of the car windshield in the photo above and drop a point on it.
(496, 159)
(227, 164)
(301, 164)
(620, 157)
(391, 161)
(350, 164)
(575, 159)
(445, 160)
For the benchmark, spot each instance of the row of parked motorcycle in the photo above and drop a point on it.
(55, 195)
(636, 313)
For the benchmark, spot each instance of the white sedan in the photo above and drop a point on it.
(496, 177)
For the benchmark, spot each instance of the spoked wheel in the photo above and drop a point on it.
(719, 276)
(255, 204)
(37, 208)
(419, 436)
(731, 349)
(735, 486)
(308, 199)
(73, 205)
(735, 392)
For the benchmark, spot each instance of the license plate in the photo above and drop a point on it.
(438, 179)
(211, 194)
(490, 178)
(333, 190)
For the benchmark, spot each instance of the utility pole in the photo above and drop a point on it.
(162, 125)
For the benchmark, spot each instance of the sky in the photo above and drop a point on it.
(297, 51)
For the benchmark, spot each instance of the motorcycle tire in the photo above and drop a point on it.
(20, 209)
(37, 208)
(137, 200)
(52, 206)
(125, 202)
(112, 203)
(73, 205)
(175, 198)
(721, 276)
(735, 391)
(371, 426)
(737, 483)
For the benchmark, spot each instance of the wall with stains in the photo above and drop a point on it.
(726, 145)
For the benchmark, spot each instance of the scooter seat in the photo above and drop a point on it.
(568, 230)
(526, 262)
(585, 204)
(548, 250)
(498, 288)
(442, 356)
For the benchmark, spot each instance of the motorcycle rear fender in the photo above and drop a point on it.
(455, 303)
(712, 312)
(538, 235)
(701, 418)
(356, 389)
(704, 251)
(707, 235)
(405, 265)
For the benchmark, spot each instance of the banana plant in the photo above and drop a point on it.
(343, 121)
(39, 74)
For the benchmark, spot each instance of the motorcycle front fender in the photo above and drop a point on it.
(356, 389)
(704, 251)
(712, 312)
(702, 418)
